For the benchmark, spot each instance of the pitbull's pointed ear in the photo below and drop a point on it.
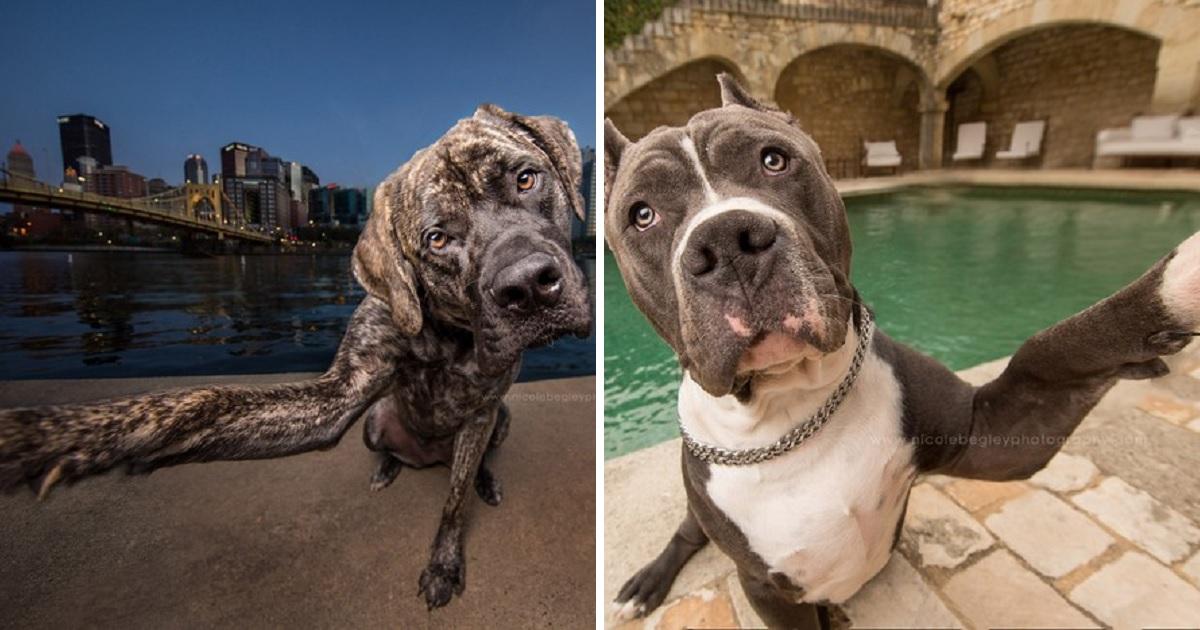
(732, 93)
(379, 265)
(615, 144)
(555, 139)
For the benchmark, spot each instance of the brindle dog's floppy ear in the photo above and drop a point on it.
(555, 139)
(615, 144)
(379, 264)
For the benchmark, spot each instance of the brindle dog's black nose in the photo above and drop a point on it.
(534, 281)
(736, 235)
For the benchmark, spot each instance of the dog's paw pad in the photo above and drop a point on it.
(1181, 282)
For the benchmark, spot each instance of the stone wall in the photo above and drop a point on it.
(1079, 78)
(759, 37)
(959, 19)
(844, 95)
(669, 100)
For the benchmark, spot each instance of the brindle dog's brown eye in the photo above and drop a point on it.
(774, 160)
(437, 239)
(643, 216)
(526, 180)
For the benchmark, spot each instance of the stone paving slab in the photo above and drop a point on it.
(939, 532)
(1134, 514)
(978, 496)
(899, 598)
(1137, 592)
(997, 592)
(1066, 473)
(1047, 533)
(1191, 569)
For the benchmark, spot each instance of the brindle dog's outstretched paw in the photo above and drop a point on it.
(488, 487)
(441, 581)
(643, 592)
(389, 467)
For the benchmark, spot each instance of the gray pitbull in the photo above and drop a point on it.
(467, 262)
(804, 426)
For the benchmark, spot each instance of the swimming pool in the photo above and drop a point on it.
(963, 274)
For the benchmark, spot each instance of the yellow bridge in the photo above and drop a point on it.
(193, 207)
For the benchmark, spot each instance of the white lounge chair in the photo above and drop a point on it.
(881, 155)
(971, 138)
(1026, 141)
(1152, 136)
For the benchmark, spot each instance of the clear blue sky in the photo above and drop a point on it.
(349, 88)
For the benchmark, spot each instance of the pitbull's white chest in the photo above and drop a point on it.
(825, 513)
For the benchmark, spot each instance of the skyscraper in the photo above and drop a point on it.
(256, 183)
(81, 135)
(195, 170)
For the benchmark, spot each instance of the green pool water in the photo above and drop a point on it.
(964, 275)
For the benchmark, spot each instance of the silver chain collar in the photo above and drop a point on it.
(797, 436)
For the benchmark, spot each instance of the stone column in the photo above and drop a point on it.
(933, 122)
(1178, 82)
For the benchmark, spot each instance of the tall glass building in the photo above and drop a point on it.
(84, 136)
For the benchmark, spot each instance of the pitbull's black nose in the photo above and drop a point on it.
(737, 235)
(534, 281)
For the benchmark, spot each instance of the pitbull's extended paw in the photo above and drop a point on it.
(389, 467)
(488, 487)
(442, 580)
(643, 592)
(1180, 290)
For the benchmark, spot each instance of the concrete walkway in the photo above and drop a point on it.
(1105, 536)
(301, 541)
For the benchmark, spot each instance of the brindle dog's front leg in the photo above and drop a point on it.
(445, 575)
(487, 486)
(43, 445)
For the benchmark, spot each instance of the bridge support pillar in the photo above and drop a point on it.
(933, 124)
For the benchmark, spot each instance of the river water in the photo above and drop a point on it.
(100, 315)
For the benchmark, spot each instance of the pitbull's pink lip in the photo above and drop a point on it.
(738, 325)
(774, 349)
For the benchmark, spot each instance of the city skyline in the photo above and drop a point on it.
(323, 107)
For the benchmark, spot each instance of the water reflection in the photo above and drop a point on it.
(94, 315)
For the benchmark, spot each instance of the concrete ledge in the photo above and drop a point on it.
(1187, 180)
(300, 541)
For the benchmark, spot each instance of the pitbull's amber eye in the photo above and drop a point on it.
(774, 160)
(642, 216)
(527, 180)
(437, 239)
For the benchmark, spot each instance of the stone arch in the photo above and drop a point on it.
(673, 98)
(965, 40)
(948, 75)
(759, 47)
(845, 94)
(1078, 76)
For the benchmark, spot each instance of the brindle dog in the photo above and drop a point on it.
(466, 261)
